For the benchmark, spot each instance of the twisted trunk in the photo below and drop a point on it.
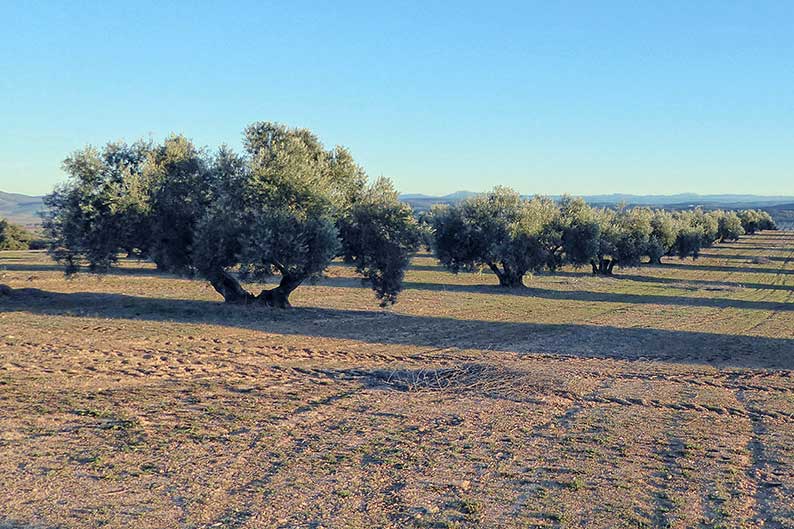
(603, 266)
(227, 286)
(279, 297)
(508, 277)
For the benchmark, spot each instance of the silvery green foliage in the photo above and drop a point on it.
(378, 235)
(181, 190)
(625, 236)
(290, 206)
(664, 229)
(581, 231)
(13, 237)
(510, 235)
(729, 226)
(276, 209)
(754, 220)
(102, 209)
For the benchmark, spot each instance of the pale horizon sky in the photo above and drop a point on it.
(577, 97)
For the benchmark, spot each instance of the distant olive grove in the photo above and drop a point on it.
(287, 207)
(514, 236)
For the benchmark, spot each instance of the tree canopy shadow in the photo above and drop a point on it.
(391, 327)
(723, 268)
(583, 295)
(54, 267)
(740, 246)
(17, 524)
(707, 283)
(746, 258)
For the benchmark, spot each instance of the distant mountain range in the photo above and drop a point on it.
(24, 209)
(21, 209)
(678, 201)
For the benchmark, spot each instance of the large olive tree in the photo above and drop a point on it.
(277, 209)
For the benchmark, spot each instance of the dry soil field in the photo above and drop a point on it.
(661, 398)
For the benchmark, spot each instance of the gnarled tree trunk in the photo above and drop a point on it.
(279, 297)
(227, 286)
(507, 277)
(603, 266)
(231, 290)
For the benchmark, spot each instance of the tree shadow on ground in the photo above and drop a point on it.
(390, 327)
(741, 246)
(722, 268)
(585, 295)
(745, 258)
(686, 282)
(136, 269)
(16, 524)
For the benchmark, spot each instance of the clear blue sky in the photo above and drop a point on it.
(546, 97)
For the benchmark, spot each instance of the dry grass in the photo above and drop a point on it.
(661, 398)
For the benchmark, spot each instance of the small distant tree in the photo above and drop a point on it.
(581, 231)
(709, 227)
(688, 242)
(750, 220)
(625, 235)
(729, 226)
(379, 235)
(766, 221)
(754, 220)
(13, 237)
(664, 230)
(697, 230)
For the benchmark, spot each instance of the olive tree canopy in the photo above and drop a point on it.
(510, 235)
(280, 208)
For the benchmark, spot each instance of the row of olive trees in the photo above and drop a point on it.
(514, 236)
(287, 205)
(13, 237)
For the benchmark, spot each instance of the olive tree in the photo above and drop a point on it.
(378, 236)
(754, 220)
(277, 209)
(180, 189)
(102, 209)
(581, 231)
(13, 237)
(624, 239)
(499, 230)
(664, 229)
(277, 212)
(729, 226)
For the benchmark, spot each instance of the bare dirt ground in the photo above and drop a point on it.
(661, 398)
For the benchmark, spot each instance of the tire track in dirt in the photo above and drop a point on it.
(285, 434)
(534, 484)
(765, 472)
(439, 379)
